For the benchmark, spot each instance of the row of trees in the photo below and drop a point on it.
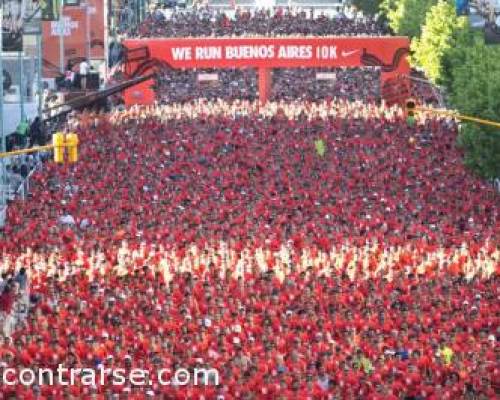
(456, 57)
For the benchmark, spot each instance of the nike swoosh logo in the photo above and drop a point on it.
(349, 53)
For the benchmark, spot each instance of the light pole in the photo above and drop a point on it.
(61, 37)
(4, 147)
(20, 59)
(39, 67)
(1, 86)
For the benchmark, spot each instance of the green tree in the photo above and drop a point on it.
(437, 39)
(476, 80)
(482, 149)
(475, 83)
(406, 17)
(370, 7)
(462, 39)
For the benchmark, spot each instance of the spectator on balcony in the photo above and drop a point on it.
(84, 70)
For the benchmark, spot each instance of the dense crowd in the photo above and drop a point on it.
(319, 84)
(307, 84)
(211, 84)
(213, 235)
(207, 22)
(257, 172)
(293, 331)
(287, 84)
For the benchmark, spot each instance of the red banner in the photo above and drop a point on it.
(387, 53)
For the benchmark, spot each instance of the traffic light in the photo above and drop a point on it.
(411, 104)
(72, 144)
(58, 142)
(410, 111)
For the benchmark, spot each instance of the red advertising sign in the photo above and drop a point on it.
(72, 28)
(82, 28)
(277, 52)
(388, 53)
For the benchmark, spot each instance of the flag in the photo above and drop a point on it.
(320, 147)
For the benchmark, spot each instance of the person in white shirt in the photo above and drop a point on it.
(84, 70)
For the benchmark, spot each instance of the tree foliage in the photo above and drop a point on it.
(437, 39)
(482, 149)
(475, 84)
(461, 40)
(406, 17)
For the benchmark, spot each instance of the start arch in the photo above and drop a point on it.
(389, 53)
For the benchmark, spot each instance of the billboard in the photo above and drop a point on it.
(205, 77)
(72, 29)
(326, 76)
(82, 28)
